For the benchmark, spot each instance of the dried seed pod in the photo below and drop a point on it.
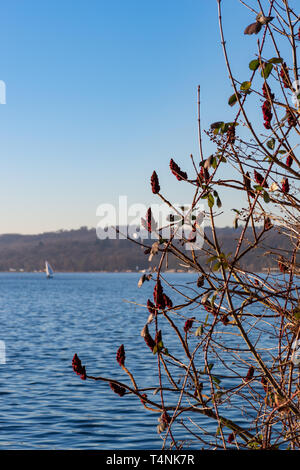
(284, 73)
(250, 374)
(180, 175)
(188, 324)
(267, 92)
(78, 368)
(247, 184)
(121, 355)
(291, 119)
(155, 183)
(289, 161)
(285, 186)
(260, 179)
(147, 337)
(231, 135)
(264, 383)
(151, 307)
(267, 114)
(200, 281)
(168, 301)
(158, 295)
(267, 223)
(282, 265)
(253, 28)
(117, 389)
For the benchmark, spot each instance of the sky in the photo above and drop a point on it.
(99, 94)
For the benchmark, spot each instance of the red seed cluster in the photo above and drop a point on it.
(155, 183)
(149, 220)
(168, 301)
(250, 374)
(151, 307)
(285, 75)
(231, 135)
(225, 319)
(230, 438)
(291, 119)
(264, 383)
(144, 398)
(282, 266)
(267, 223)
(180, 175)
(188, 325)
(117, 389)
(148, 338)
(247, 183)
(289, 161)
(203, 175)
(267, 114)
(165, 417)
(285, 186)
(121, 355)
(267, 92)
(259, 179)
(158, 295)
(78, 368)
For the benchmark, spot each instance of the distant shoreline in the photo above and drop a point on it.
(122, 272)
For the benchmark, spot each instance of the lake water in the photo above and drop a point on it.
(44, 405)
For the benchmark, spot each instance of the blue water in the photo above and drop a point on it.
(43, 404)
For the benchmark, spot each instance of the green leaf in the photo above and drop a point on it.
(271, 143)
(233, 99)
(215, 379)
(254, 64)
(276, 60)
(224, 127)
(266, 197)
(245, 86)
(210, 200)
(199, 331)
(216, 266)
(267, 69)
(216, 125)
(158, 347)
(219, 203)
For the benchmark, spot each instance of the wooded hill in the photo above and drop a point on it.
(81, 250)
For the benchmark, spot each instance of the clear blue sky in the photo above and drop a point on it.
(99, 94)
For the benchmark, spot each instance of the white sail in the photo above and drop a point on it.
(48, 269)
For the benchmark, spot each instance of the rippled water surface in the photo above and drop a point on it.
(44, 405)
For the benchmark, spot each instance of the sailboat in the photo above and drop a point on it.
(49, 270)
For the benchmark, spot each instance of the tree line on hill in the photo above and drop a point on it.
(81, 251)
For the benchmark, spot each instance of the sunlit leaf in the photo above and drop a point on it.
(254, 64)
